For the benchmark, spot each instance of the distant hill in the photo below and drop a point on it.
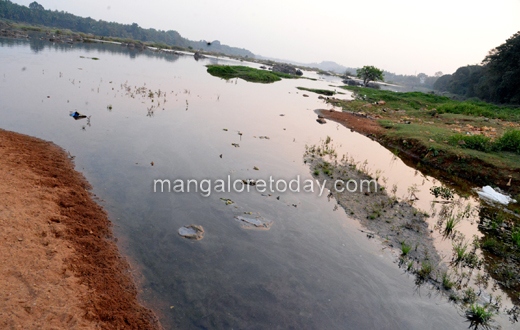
(331, 66)
(216, 46)
(325, 65)
(36, 14)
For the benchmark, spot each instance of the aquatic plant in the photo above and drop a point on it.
(515, 236)
(451, 222)
(469, 295)
(405, 248)
(443, 192)
(248, 74)
(460, 251)
(479, 316)
(481, 281)
(412, 190)
(327, 141)
(426, 269)
(446, 281)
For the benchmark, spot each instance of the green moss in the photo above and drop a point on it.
(246, 73)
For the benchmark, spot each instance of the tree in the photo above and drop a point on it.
(443, 83)
(370, 73)
(36, 6)
(503, 64)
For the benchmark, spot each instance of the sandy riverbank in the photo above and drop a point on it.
(59, 265)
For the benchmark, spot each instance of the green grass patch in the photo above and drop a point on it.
(317, 91)
(30, 28)
(442, 104)
(480, 109)
(247, 73)
(405, 101)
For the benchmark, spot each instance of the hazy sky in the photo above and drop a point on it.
(401, 36)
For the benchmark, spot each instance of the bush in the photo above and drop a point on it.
(510, 141)
(476, 142)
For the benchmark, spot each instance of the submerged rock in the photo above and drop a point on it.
(192, 232)
(254, 223)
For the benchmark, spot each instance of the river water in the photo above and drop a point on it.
(314, 268)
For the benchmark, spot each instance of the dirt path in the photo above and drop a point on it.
(358, 123)
(59, 265)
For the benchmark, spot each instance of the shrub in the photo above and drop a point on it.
(476, 142)
(510, 141)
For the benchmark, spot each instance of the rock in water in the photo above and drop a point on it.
(192, 232)
(284, 68)
(254, 223)
(321, 120)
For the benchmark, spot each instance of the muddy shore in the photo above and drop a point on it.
(60, 266)
(396, 222)
(399, 224)
(475, 170)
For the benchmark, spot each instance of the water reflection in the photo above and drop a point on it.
(37, 45)
(313, 269)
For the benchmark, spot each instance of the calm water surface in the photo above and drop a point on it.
(312, 270)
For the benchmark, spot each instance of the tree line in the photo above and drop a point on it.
(36, 14)
(496, 79)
